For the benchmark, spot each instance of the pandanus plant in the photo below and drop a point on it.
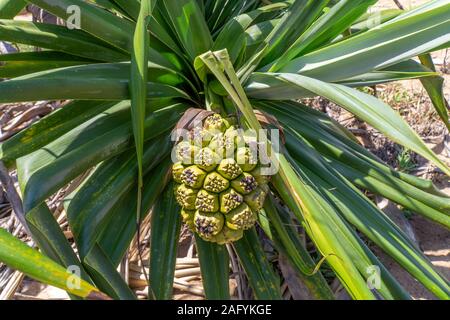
(132, 69)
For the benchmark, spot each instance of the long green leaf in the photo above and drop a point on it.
(119, 232)
(10, 8)
(189, 25)
(358, 165)
(232, 36)
(358, 251)
(405, 70)
(91, 82)
(19, 64)
(288, 242)
(371, 20)
(18, 255)
(263, 280)
(399, 192)
(166, 225)
(292, 25)
(411, 258)
(58, 38)
(399, 39)
(154, 72)
(114, 227)
(50, 128)
(435, 89)
(359, 211)
(340, 17)
(56, 162)
(90, 207)
(256, 34)
(109, 280)
(138, 88)
(319, 127)
(316, 216)
(50, 238)
(215, 269)
(109, 5)
(366, 107)
(94, 20)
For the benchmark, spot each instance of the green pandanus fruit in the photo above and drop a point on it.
(220, 185)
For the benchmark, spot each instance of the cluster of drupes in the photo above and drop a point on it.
(219, 182)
